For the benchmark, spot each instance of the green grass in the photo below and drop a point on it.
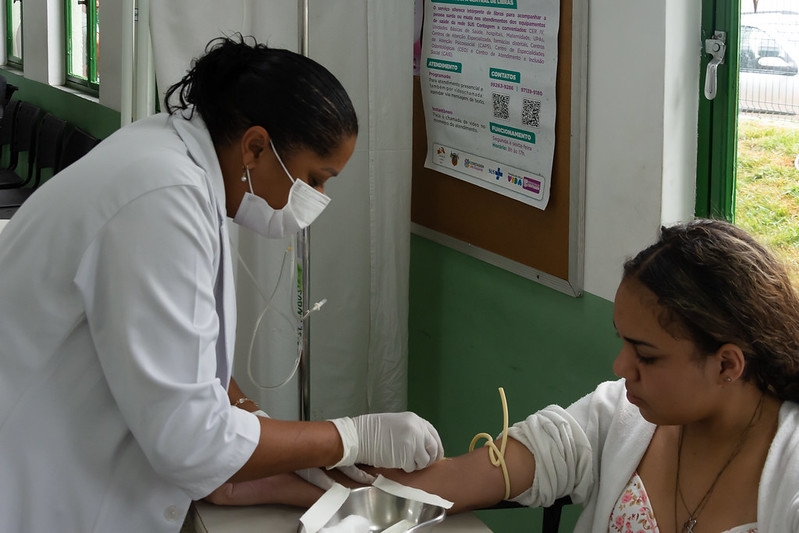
(767, 190)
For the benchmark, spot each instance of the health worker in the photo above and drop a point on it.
(117, 305)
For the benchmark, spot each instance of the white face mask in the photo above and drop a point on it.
(303, 206)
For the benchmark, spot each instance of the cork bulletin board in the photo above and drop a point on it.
(542, 245)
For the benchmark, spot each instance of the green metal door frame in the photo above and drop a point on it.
(718, 118)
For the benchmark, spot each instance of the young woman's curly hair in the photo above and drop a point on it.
(718, 285)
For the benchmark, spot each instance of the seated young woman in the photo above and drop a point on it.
(698, 435)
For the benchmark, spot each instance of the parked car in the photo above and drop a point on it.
(769, 63)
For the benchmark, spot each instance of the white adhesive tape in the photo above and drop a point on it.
(410, 493)
(325, 507)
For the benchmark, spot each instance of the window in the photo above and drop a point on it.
(14, 33)
(83, 43)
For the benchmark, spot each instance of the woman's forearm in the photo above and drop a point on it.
(470, 481)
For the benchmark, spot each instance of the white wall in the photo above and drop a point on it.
(643, 90)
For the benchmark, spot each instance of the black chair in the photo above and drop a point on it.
(551, 521)
(49, 142)
(77, 144)
(7, 131)
(23, 140)
(49, 145)
(7, 90)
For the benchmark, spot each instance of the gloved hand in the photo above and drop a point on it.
(318, 477)
(389, 440)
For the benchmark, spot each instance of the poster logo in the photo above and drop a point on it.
(474, 165)
(532, 185)
(510, 181)
(528, 184)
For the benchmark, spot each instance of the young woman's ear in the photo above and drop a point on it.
(731, 362)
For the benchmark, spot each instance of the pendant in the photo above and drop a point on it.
(689, 524)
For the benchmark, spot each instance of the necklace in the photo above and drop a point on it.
(688, 525)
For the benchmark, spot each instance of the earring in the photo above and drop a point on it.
(244, 174)
(728, 379)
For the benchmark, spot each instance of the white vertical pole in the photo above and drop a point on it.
(304, 242)
(144, 80)
(127, 61)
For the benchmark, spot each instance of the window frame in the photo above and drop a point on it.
(718, 119)
(91, 83)
(11, 60)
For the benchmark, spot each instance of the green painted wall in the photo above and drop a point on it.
(473, 328)
(84, 113)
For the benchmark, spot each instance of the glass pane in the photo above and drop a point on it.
(769, 61)
(15, 49)
(78, 66)
(96, 60)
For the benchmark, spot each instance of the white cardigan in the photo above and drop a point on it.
(590, 450)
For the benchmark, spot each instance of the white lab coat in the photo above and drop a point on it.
(117, 324)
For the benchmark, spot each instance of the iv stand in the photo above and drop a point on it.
(304, 244)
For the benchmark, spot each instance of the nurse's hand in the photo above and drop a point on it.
(389, 440)
(349, 476)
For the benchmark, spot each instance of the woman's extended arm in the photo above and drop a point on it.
(470, 481)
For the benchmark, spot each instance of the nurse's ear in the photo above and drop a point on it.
(253, 143)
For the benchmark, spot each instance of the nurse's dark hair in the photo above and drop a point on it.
(239, 83)
(716, 284)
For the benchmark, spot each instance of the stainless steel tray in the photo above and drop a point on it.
(384, 510)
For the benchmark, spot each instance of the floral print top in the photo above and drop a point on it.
(633, 513)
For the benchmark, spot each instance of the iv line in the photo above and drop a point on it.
(318, 305)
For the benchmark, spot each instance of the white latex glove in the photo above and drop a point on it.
(358, 475)
(389, 440)
(318, 477)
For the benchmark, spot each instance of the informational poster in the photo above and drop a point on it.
(487, 71)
